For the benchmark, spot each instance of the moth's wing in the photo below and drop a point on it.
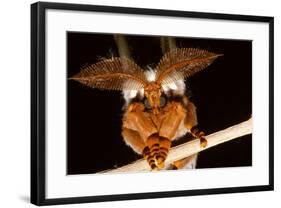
(112, 74)
(181, 63)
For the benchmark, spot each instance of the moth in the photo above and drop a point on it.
(157, 111)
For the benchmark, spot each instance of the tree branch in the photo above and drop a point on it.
(192, 147)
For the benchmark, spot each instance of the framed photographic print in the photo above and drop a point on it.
(131, 103)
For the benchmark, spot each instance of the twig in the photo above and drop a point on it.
(167, 44)
(192, 147)
(122, 46)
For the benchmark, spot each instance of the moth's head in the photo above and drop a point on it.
(154, 95)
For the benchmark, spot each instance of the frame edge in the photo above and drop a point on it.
(34, 167)
(153, 11)
(37, 181)
(271, 103)
(38, 185)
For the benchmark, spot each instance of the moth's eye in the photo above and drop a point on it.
(162, 101)
(146, 104)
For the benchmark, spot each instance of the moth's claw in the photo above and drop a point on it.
(154, 168)
(203, 142)
(161, 165)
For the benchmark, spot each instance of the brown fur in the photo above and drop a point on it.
(154, 133)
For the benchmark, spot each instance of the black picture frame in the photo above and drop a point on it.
(38, 99)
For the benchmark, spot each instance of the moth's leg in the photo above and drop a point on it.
(156, 151)
(191, 124)
(164, 146)
(153, 149)
(188, 162)
(133, 139)
(139, 132)
(136, 119)
(174, 113)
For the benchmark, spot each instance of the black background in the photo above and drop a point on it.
(222, 94)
